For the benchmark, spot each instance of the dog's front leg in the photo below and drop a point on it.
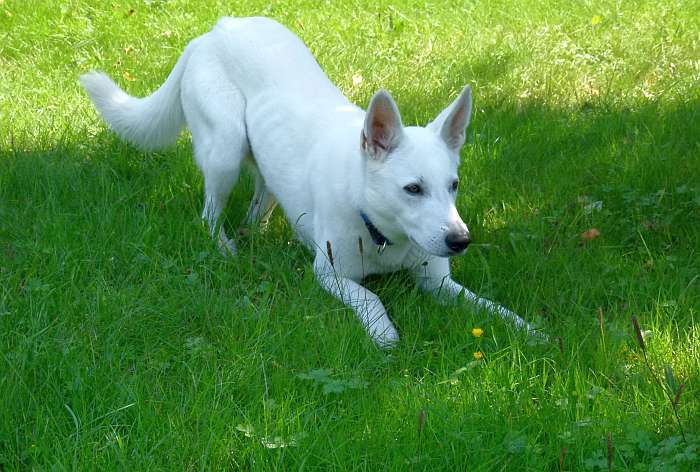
(365, 304)
(434, 277)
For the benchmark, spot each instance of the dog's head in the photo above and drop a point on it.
(411, 175)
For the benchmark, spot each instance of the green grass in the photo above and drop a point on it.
(127, 342)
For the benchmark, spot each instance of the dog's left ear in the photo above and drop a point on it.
(451, 124)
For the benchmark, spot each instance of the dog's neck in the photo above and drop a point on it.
(377, 237)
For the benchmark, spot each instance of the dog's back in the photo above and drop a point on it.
(262, 56)
(257, 56)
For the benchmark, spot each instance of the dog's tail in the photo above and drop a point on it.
(152, 122)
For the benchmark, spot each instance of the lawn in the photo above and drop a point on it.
(128, 342)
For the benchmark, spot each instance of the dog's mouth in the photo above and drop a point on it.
(446, 252)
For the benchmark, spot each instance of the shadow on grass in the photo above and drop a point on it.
(536, 167)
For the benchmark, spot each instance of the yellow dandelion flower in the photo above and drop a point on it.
(596, 19)
(477, 332)
(478, 355)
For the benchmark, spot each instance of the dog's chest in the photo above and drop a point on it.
(381, 260)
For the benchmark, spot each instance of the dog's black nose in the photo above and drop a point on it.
(457, 241)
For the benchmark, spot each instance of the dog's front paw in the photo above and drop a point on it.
(536, 334)
(387, 338)
(227, 247)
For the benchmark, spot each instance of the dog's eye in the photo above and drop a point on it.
(413, 189)
(455, 184)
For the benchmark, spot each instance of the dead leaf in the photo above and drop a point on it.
(128, 77)
(590, 235)
(649, 224)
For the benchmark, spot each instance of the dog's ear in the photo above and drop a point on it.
(451, 124)
(383, 130)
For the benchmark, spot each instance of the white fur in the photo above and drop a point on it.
(250, 86)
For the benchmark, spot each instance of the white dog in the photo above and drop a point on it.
(364, 193)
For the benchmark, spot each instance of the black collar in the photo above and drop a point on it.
(377, 237)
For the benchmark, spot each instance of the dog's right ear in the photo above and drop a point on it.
(383, 130)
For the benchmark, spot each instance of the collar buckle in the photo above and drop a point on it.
(377, 237)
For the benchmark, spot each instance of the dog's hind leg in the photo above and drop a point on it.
(262, 205)
(218, 183)
(215, 112)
